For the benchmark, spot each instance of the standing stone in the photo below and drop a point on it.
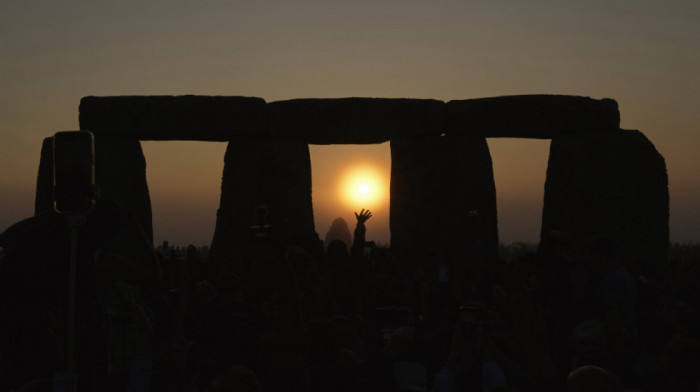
(43, 200)
(612, 184)
(262, 171)
(120, 172)
(443, 199)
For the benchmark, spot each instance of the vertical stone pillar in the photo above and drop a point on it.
(273, 172)
(443, 199)
(43, 200)
(120, 172)
(613, 184)
(412, 169)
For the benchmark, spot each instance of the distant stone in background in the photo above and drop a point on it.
(532, 116)
(443, 199)
(339, 230)
(262, 171)
(185, 117)
(613, 184)
(354, 120)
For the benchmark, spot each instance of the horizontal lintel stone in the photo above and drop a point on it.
(532, 116)
(186, 117)
(355, 120)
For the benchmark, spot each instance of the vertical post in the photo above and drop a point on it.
(443, 199)
(74, 222)
(122, 177)
(273, 172)
(613, 184)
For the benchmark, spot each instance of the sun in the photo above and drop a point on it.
(363, 186)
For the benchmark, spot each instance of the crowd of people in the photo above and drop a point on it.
(339, 317)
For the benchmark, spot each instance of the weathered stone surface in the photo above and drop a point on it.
(188, 117)
(43, 200)
(612, 184)
(443, 199)
(120, 172)
(273, 172)
(355, 120)
(600, 181)
(532, 116)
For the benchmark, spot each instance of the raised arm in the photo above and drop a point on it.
(358, 243)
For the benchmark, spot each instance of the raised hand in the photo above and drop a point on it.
(363, 216)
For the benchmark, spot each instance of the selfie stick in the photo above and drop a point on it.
(70, 143)
(74, 221)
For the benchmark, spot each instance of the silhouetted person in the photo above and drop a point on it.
(236, 378)
(617, 286)
(592, 379)
(359, 243)
(116, 269)
(345, 267)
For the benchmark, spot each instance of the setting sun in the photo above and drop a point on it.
(363, 186)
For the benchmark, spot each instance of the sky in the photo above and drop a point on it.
(644, 54)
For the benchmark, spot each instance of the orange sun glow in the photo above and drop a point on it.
(363, 186)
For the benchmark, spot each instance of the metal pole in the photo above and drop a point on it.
(70, 350)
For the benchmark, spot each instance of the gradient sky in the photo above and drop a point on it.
(645, 54)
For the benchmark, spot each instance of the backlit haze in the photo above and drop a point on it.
(644, 54)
